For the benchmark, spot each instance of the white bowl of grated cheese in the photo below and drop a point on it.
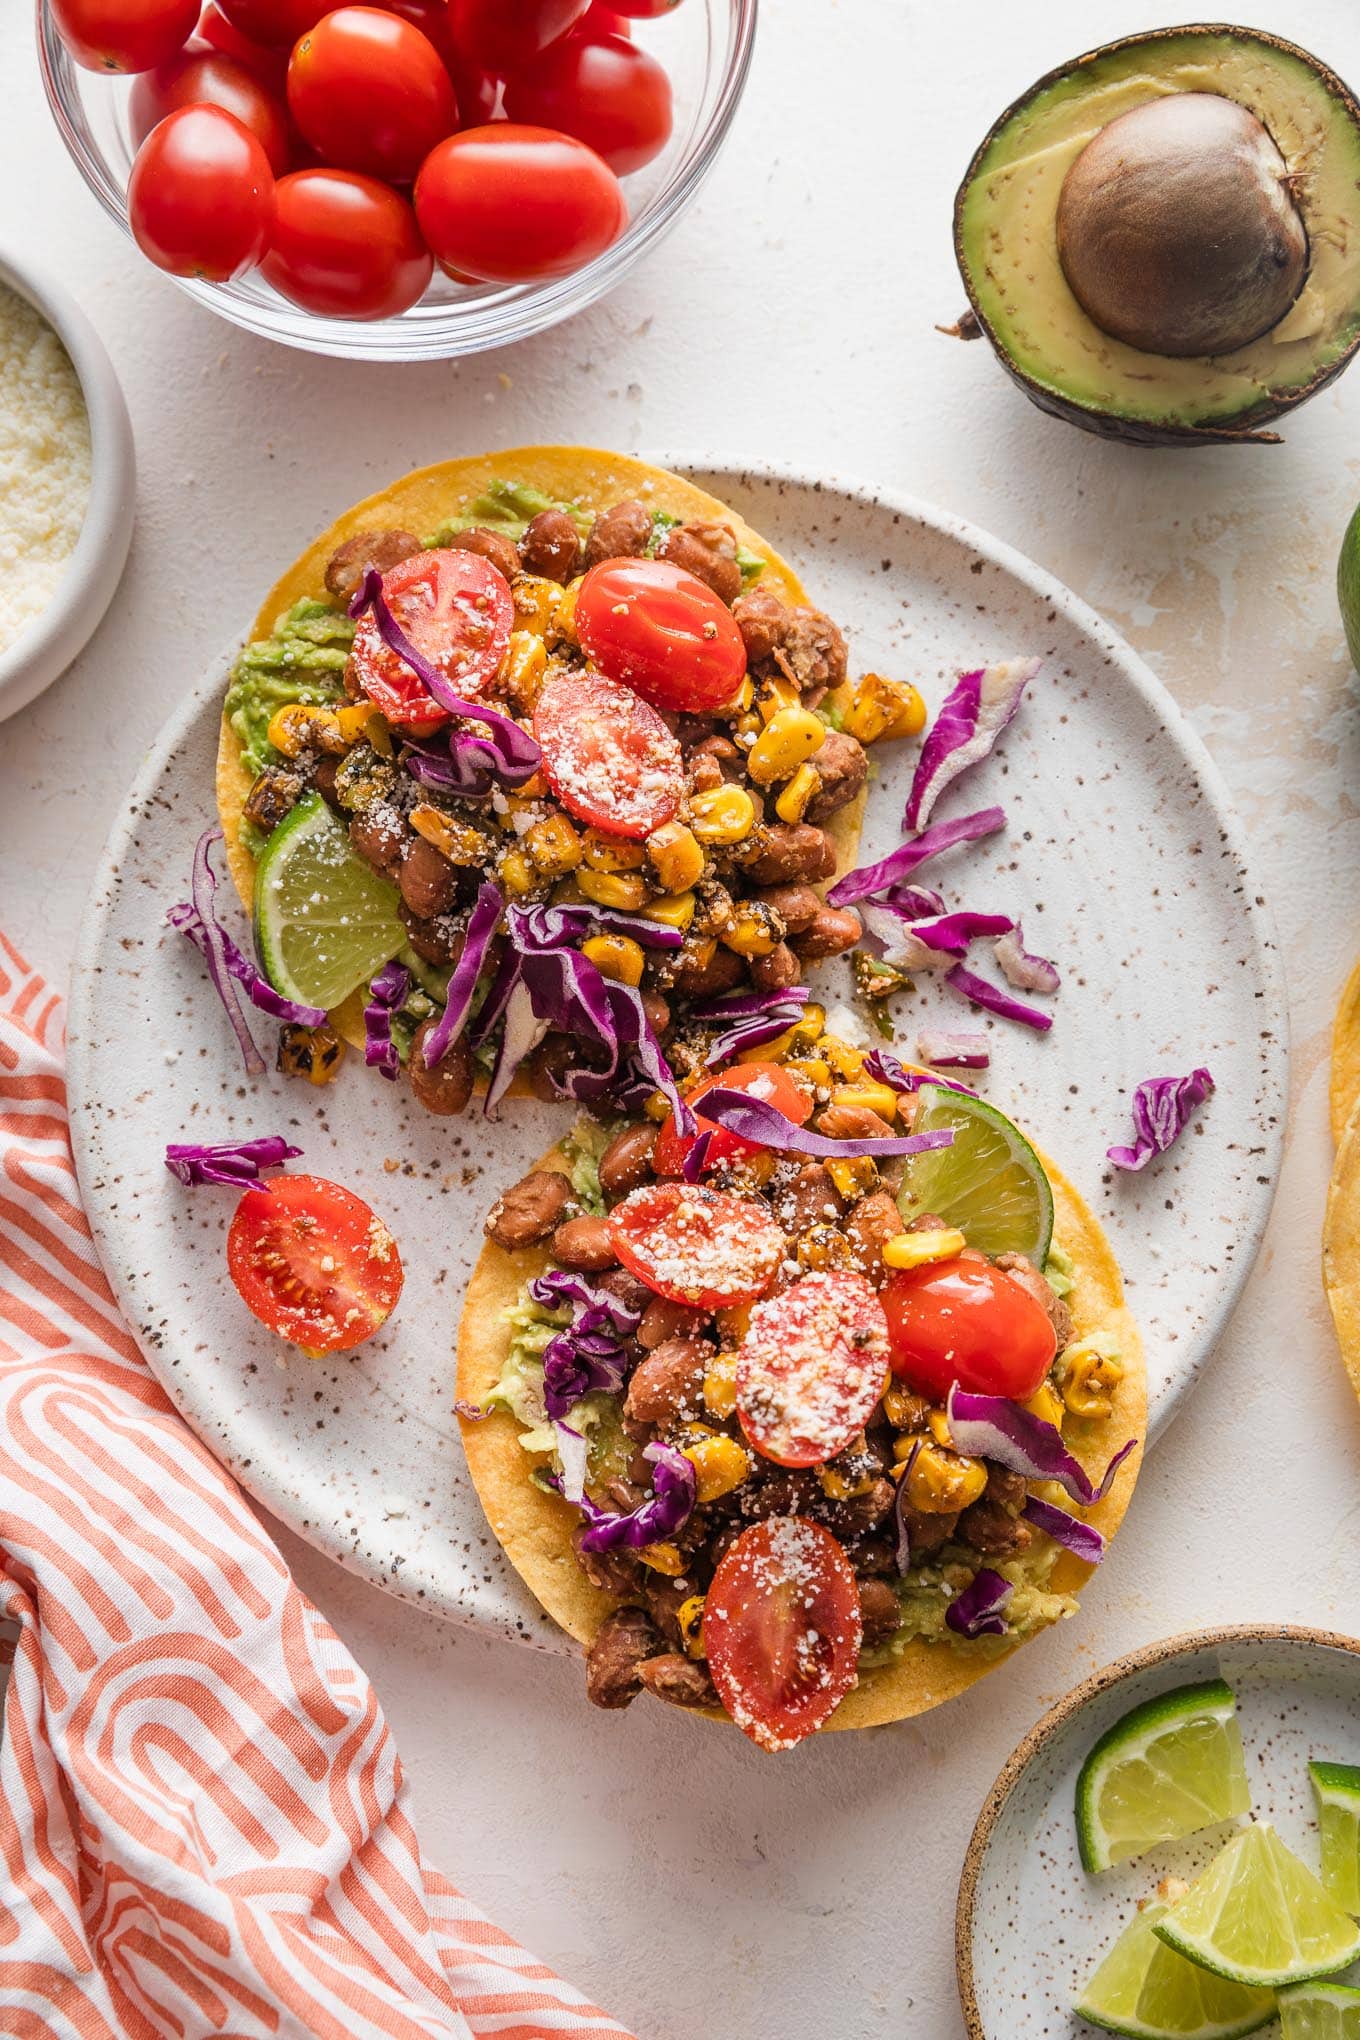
(67, 482)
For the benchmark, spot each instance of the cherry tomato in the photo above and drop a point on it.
(607, 756)
(498, 36)
(507, 204)
(204, 78)
(599, 20)
(124, 35)
(269, 65)
(277, 23)
(345, 245)
(762, 1080)
(608, 93)
(370, 93)
(457, 610)
(812, 1368)
(696, 1245)
(201, 195)
(661, 632)
(313, 1263)
(965, 1321)
(782, 1630)
(644, 10)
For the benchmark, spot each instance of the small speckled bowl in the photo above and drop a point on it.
(48, 644)
(1031, 1923)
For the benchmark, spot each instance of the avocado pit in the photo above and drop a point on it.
(1178, 230)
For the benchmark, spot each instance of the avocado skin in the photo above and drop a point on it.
(1245, 428)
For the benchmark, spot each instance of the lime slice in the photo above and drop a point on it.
(1336, 1788)
(1348, 586)
(1143, 1989)
(1259, 1916)
(1320, 2011)
(324, 920)
(989, 1183)
(1166, 1769)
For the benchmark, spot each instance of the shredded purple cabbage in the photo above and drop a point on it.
(1162, 1109)
(467, 768)
(945, 1050)
(901, 1528)
(990, 1427)
(1083, 1539)
(696, 1158)
(930, 942)
(978, 1610)
(387, 995)
(665, 1512)
(235, 1162)
(574, 1455)
(886, 1069)
(592, 1351)
(549, 927)
(756, 1120)
(892, 871)
(966, 730)
(993, 999)
(1026, 972)
(463, 983)
(748, 1020)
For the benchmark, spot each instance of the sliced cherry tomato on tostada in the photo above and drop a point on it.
(696, 1245)
(457, 611)
(782, 1630)
(608, 757)
(812, 1367)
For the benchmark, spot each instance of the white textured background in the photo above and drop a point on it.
(696, 1888)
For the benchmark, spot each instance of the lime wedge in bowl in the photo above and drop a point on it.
(1336, 1788)
(1320, 2011)
(1144, 1990)
(989, 1182)
(1258, 1916)
(1167, 1768)
(324, 920)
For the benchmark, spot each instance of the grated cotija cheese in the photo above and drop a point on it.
(44, 463)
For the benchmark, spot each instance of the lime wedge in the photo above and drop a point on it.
(1259, 1916)
(324, 920)
(989, 1182)
(1320, 2011)
(1348, 586)
(1166, 1769)
(1143, 1989)
(1336, 1788)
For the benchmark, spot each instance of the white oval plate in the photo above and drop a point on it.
(1121, 854)
(1031, 1923)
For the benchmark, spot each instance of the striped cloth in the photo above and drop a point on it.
(202, 1816)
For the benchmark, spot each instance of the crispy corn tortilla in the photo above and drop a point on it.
(424, 500)
(535, 1527)
(1345, 1087)
(1341, 1247)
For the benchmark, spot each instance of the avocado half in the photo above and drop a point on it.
(1026, 175)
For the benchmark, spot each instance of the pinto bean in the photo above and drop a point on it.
(349, 563)
(853, 1122)
(991, 1530)
(627, 1162)
(621, 1645)
(658, 1013)
(427, 881)
(777, 970)
(681, 1680)
(445, 1089)
(842, 766)
(624, 532)
(790, 850)
(813, 651)
(928, 1533)
(720, 973)
(528, 1213)
(380, 838)
(796, 905)
(832, 930)
(438, 940)
(880, 1612)
(613, 1572)
(709, 552)
(872, 1223)
(630, 1290)
(863, 1513)
(763, 621)
(550, 546)
(669, 1383)
(811, 1198)
(584, 1243)
(665, 1599)
(665, 1319)
(492, 546)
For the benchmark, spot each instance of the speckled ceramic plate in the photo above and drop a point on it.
(1031, 1923)
(1121, 855)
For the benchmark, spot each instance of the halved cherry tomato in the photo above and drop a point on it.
(762, 1080)
(965, 1321)
(661, 632)
(457, 610)
(345, 245)
(782, 1630)
(604, 90)
(204, 77)
(498, 36)
(201, 195)
(370, 92)
(269, 65)
(644, 10)
(696, 1245)
(275, 22)
(607, 756)
(313, 1263)
(124, 35)
(507, 204)
(812, 1367)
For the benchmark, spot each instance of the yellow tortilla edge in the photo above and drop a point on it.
(534, 1527)
(1345, 1076)
(1341, 1247)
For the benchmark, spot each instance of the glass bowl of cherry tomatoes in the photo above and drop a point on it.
(404, 180)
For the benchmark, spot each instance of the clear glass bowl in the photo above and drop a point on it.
(705, 46)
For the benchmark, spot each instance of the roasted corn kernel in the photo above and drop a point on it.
(815, 1073)
(876, 707)
(824, 1246)
(794, 802)
(562, 624)
(755, 929)
(809, 1029)
(676, 857)
(724, 815)
(734, 1322)
(624, 889)
(845, 1483)
(937, 1423)
(611, 853)
(1047, 1404)
(553, 845)
(459, 841)
(676, 910)
(744, 697)
(775, 694)
(516, 873)
(1087, 1378)
(690, 1617)
(867, 1097)
(522, 670)
(537, 602)
(720, 1385)
(855, 1177)
(905, 1410)
(663, 1558)
(300, 726)
(939, 1482)
(657, 1107)
(315, 1053)
(845, 1059)
(769, 1051)
(918, 1249)
(788, 738)
(719, 1462)
(617, 957)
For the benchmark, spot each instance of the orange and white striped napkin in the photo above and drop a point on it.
(202, 1818)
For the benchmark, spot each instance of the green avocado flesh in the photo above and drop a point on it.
(1008, 251)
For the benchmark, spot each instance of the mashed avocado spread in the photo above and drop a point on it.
(304, 660)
